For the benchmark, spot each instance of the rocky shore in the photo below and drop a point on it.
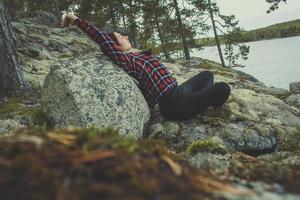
(247, 149)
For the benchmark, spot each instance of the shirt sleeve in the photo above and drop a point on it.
(107, 45)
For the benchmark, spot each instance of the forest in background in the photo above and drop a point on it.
(280, 30)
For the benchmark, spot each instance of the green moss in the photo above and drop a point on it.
(107, 168)
(278, 158)
(257, 169)
(219, 114)
(12, 105)
(15, 108)
(292, 144)
(206, 146)
(108, 138)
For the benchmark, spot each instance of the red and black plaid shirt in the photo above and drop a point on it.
(153, 77)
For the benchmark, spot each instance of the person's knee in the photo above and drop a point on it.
(224, 88)
(207, 74)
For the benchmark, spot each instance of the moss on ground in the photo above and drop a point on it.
(253, 169)
(98, 164)
(18, 109)
(292, 143)
(206, 146)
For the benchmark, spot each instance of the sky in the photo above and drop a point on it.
(252, 13)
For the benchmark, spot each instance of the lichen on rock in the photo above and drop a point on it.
(16, 113)
(213, 145)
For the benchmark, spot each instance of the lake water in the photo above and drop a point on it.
(274, 62)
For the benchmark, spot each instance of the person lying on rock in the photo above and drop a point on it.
(176, 102)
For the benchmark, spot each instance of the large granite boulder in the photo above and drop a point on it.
(91, 91)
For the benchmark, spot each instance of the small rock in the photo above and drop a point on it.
(8, 125)
(208, 160)
(294, 100)
(156, 130)
(277, 92)
(171, 128)
(295, 87)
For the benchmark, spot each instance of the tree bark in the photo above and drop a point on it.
(11, 77)
(182, 35)
(57, 9)
(216, 33)
(124, 21)
(160, 33)
(112, 14)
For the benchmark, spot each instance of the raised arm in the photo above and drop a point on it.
(107, 45)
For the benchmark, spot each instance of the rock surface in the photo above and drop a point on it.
(91, 91)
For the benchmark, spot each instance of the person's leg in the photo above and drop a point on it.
(223, 91)
(194, 103)
(200, 81)
(182, 105)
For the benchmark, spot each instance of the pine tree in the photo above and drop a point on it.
(11, 77)
(229, 29)
(154, 16)
(181, 30)
(14, 6)
(213, 22)
(274, 4)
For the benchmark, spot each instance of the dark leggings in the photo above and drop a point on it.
(193, 96)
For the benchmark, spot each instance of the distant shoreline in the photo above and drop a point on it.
(275, 62)
(275, 31)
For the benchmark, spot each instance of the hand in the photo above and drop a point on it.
(67, 20)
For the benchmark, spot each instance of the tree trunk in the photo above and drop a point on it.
(124, 21)
(182, 35)
(57, 9)
(132, 27)
(112, 14)
(216, 34)
(122, 13)
(11, 76)
(160, 33)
